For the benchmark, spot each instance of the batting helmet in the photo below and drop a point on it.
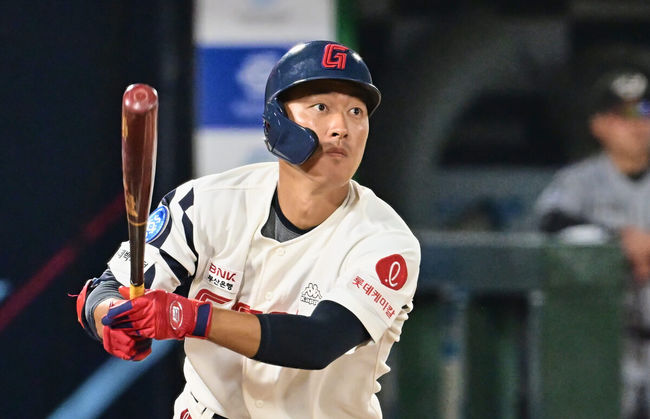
(315, 60)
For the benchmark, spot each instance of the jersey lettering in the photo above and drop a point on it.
(225, 279)
(228, 276)
(374, 294)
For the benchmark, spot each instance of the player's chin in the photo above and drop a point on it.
(331, 165)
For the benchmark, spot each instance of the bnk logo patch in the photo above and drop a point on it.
(392, 271)
(225, 279)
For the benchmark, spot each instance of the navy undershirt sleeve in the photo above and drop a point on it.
(309, 342)
(557, 220)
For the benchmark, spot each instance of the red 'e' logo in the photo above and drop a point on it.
(334, 56)
(392, 271)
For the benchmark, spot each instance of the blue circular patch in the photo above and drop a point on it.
(156, 224)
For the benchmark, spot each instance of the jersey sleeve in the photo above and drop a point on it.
(563, 194)
(588, 192)
(378, 280)
(170, 253)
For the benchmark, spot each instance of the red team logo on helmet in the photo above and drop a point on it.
(334, 56)
(392, 271)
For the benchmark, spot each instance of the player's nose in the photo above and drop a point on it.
(338, 125)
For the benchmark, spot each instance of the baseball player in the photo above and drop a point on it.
(609, 194)
(300, 278)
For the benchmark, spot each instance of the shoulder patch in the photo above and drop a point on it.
(156, 223)
(392, 271)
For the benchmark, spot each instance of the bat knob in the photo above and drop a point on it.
(140, 98)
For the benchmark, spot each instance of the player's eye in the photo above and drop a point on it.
(356, 111)
(320, 107)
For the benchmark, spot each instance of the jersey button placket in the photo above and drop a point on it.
(259, 403)
(280, 251)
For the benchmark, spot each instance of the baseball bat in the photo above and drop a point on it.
(139, 144)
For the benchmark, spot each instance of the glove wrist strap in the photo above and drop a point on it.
(203, 320)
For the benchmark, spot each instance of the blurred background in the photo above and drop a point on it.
(478, 113)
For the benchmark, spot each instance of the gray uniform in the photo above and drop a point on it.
(596, 192)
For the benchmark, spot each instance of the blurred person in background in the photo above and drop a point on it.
(606, 196)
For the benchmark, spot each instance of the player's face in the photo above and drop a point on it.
(624, 136)
(335, 113)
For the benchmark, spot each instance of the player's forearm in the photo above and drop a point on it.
(239, 332)
(100, 311)
(309, 342)
(557, 220)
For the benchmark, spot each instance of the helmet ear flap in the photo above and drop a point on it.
(284, 138)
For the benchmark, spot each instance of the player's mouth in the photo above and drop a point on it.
(336, 152)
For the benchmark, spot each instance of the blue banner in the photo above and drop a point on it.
(230, 84)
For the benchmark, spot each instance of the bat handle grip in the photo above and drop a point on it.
(136, 291)
(137, 233)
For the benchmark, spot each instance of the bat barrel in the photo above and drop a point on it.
(140, 98)
(139, 143)
(139, 138)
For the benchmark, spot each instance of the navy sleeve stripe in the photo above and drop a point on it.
(187, 201)
(149, 275)
(178, 269)
(189, 235)
(168, 198)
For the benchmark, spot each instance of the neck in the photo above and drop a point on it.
(629, 164)
(304, 201)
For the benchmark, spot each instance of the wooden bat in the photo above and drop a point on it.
(139, 144)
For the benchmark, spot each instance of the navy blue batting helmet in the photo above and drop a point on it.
(315, 60)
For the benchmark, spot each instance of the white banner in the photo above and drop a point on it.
(263, 22)
(237, 44)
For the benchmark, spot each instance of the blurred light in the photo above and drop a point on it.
(94, 395)
(5, 289)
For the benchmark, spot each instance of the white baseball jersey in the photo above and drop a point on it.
(363, 257)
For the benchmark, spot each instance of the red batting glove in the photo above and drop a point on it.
(159, 314)
(128, 347)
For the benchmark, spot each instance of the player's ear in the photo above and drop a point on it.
(598, 125)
